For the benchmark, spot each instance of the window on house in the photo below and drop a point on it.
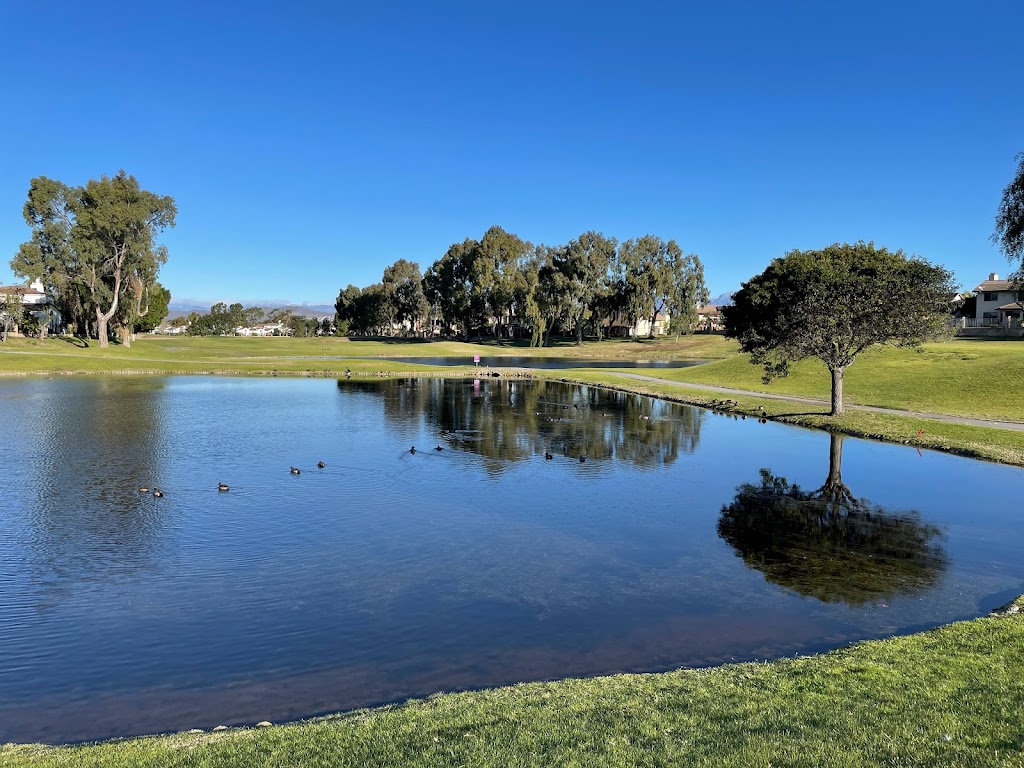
(991, 295)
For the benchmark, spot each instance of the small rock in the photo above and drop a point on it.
(264, 724)
(220, 728)
(196, 730)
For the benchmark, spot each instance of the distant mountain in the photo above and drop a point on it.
(722, 298)
(179, 307)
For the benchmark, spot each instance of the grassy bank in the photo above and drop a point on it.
(974, 377)
(948, 697)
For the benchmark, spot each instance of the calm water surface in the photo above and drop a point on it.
(548, 363)
(684, 539)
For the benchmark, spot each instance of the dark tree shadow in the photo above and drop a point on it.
(74, 341)
(827, 543)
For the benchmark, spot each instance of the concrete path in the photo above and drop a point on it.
(1014, 425)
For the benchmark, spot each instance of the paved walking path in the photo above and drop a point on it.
(1014, 425)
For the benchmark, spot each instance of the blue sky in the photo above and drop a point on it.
(310, 144)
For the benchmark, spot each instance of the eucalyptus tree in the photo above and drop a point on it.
(644, 277)
(686, 290)
(585, 263)
(833, 304)
(253, 316)
(345, 307)
(548, 293)
(1009, 232)
(100, 238)
(449, 286)
(403, 286)
(495, 273)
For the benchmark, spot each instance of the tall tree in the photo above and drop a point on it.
(448, 286)
(495, 274)
(1009, 233)
(100, 237)
(585, 264)
(685, 289)
(403, 286)
(835, 303)
(644, 278)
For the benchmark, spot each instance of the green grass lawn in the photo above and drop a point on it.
(187, 354)
(977, 378)
(948, 697)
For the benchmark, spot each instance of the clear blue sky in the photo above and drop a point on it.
(310, 144)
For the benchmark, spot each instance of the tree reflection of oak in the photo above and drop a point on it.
(827, 543)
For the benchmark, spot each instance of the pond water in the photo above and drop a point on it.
(685, 538)
(548, 363)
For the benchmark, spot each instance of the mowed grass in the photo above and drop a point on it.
(983, 379)
(183, 354)
(947, 697)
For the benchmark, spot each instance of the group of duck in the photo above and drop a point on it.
(225, 487)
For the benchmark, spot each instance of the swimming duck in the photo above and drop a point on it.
(439, 448)
(223, 487)
(412, 450)
(320, 465)
(548, 456)
(296, 471)
(158, 493)
(582, 459)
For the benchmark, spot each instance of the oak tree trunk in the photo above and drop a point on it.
(837, 391)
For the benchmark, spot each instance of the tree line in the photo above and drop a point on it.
(224, 319)
(504, 286)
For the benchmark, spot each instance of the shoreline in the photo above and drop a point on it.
(986, 443)
(850, 700)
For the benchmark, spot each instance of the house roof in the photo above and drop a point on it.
(1014, 307)
(708, 309)
(20, 289)
(995, 285)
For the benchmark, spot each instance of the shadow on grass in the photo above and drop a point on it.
(74, 341)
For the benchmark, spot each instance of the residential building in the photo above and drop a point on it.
(999, 302)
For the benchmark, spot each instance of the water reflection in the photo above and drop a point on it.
(827, 543)
(510, 420)
(91, 524)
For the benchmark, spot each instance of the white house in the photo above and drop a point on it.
(36, 302)
(999, 303)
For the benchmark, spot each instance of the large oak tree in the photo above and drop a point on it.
(833, 304)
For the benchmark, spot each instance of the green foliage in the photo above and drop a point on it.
(12, 312)
(405, 301)
(95, 247)
(221, 320)
(1009, 232)
(158, 298)
(835, 303)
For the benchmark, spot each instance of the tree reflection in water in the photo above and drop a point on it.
(508, 420)
(827, 543)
